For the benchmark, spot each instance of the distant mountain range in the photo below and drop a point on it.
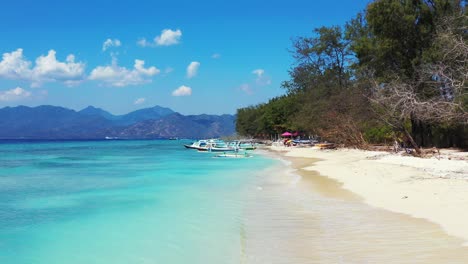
(54, 122)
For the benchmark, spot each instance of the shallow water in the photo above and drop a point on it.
(120, 202)
(156, 202)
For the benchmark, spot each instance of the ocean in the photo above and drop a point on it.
(153, 201)
(148, 201)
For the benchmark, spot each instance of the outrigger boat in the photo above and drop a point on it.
(234, 155)
(199, 145)
(242, 145)
(218, 146)
(325, 146)
(211, 145)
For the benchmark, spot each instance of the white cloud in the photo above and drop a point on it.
(246, 88)
(15, 94)
(143, 43)
(192, 69)
(262, 79)
(168, 37)
(110, 43)
(216, 56)
(117, 76)
(182, 91)
(258, 72)
(14, 65)
(139, 101)
(47, 68)
(140, 68)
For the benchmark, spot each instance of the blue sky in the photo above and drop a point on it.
(191, 56)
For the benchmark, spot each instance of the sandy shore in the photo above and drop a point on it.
(435, 189)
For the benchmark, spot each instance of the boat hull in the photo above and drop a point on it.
(190, 147)
(220, 149)
(233, 155)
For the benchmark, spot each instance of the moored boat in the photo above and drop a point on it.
(219, 146)
(199, 145)
(234, 155)
(210, 145)
(242, 145)
(325, 145)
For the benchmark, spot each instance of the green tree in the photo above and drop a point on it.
(324, 86)
(399, 64)
(322, 57)
(393, 37)
(419, 64)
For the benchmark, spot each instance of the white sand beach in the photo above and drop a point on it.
(435, 189)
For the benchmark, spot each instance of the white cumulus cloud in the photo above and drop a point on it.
(139, 101)
(47, 68)
(168, 37)
(182, 91)
(110, 43)
(14, 65)
(192, 69)
(15, 94)
(115, 75)
(262, 79)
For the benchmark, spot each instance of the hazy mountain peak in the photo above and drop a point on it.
(91, 110)
(89, 107)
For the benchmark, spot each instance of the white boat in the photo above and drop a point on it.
(242, 145)
(210, 145)
(199, 145)
(234, 155)
(218, 146)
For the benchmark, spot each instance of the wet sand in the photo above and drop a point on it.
(299, 216)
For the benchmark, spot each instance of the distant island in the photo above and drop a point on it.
(54, 122)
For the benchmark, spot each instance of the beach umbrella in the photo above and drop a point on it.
(286, 134)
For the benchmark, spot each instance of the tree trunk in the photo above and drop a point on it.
(413, 143)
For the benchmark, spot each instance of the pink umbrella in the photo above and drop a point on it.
(286, 134)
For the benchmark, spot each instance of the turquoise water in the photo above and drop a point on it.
(121, 202)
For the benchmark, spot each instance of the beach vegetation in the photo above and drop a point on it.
(396, 71)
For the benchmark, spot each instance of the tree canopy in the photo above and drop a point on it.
(398, 69)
